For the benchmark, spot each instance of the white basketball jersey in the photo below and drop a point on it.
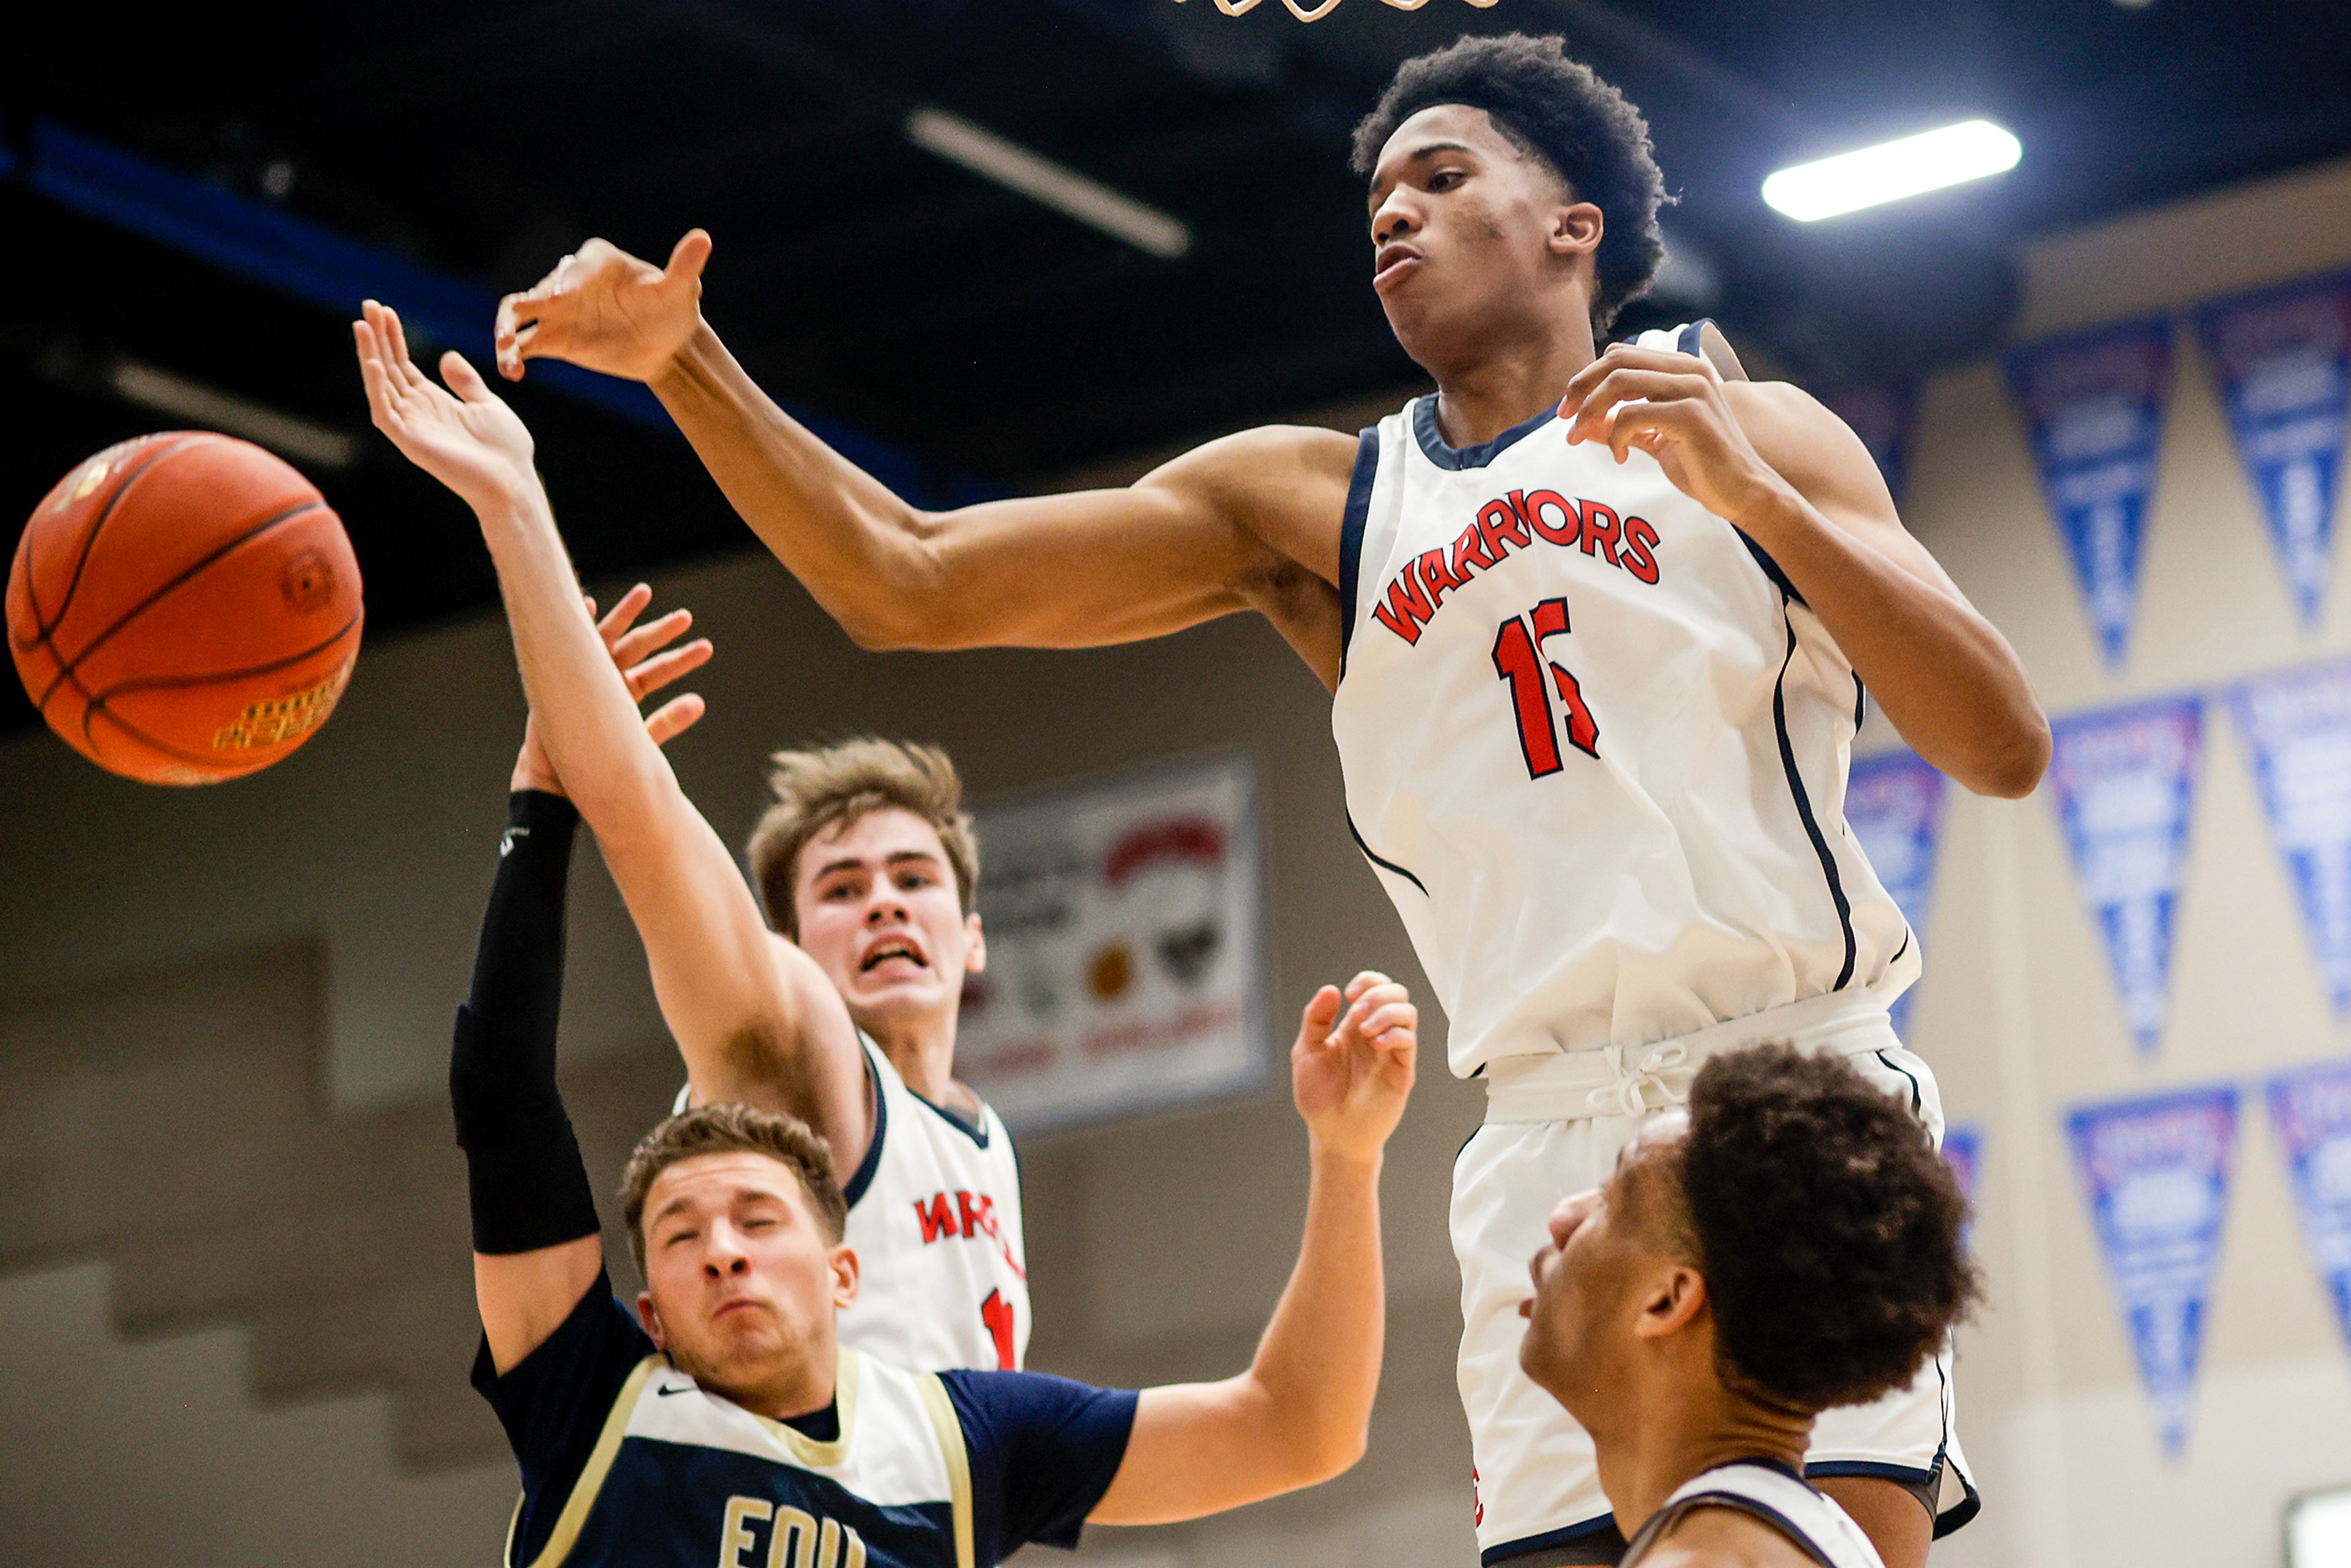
(934, 1217)
(1596, 746)
(1821, 1529)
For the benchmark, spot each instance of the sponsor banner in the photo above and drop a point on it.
(2297, 725)
(2094, 407)
(2156, 1173)
(1125, 948)
(1894, 804)
(1882, 417)
(2310, 1108)
(2282, 357)
(2125, 782)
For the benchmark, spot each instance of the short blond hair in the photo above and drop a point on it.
(729, 1129)
(814, 789)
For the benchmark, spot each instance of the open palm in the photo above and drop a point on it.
(462, 434)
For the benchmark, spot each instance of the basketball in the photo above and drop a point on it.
(184, 608)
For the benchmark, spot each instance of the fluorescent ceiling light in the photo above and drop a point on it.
(1041, 180)
(319, 445)
(1892, 170)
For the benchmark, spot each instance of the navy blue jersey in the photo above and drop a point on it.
(625, 1461)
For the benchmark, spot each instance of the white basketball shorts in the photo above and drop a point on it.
(1553, 1126)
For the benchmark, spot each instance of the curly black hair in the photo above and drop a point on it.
(1560, 111)
(1830, 1231)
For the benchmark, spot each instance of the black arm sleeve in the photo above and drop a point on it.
(528, 1186)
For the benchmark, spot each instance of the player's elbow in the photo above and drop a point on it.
(2013, 769)
(1327, 1454)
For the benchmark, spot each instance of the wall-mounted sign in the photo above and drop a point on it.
(1125, 948)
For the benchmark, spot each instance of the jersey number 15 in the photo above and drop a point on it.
(1518, 659)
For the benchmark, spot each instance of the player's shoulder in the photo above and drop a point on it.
(1806, 441)
(1722, 1535)
(1265, 460)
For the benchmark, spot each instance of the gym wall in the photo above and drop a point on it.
(232, 1290)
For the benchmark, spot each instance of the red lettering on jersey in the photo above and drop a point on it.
(974, 1214)
(1600, 528)
(1640, 551)
(1407, 609)
(937, 1217)
(1469, 550)
(1503, 528)
(1434, 578)
(1563, 532)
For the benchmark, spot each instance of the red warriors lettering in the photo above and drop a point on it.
(1515, 521)
(961, 1216)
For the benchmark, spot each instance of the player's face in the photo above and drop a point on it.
(879, 913)
(1468, 233)
(741, 1279)
(1591, 1280)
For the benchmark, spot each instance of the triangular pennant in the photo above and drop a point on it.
(1963, 1148)
(1882, 416)
(2311, 1110)
(2125, 783)
(2283, 360)
(1894, 804)
(2094, 404)
(2297, 724)
(2156, 1173)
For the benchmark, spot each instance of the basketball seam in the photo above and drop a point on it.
(67, 667)
(169, 682)
(90, 543)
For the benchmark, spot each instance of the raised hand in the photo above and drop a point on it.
(646, 669)
(1352, 1073)
(606, 310)
(464, 435)
(1672, 407)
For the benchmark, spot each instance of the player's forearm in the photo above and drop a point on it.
(851, 542)
(612, 769)
(1943, 673)
(1317, 1366)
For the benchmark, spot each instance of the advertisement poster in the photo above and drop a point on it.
(2125, 782)
(1882, 416)
(2156, 1173)
(1125, 948)
(2092, 405)
(1894, 804)
(2282, 357)
(2310, 1110)
(2297, 726)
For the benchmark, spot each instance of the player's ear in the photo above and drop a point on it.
(1673, 1298)
(845, 1276)
(651, 1320)
(975, 954)
(1575, 228)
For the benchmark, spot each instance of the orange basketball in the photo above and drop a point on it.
(184, 608)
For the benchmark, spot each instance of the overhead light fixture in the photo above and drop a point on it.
(319, 445)
(1052, 185)
(1892, 170)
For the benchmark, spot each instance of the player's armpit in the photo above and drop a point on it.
(524, 1297)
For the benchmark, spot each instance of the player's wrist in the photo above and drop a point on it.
(1774, 511)
(1346, 1155)
(689, 362)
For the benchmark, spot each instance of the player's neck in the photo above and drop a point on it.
(1683, 1432)
(922, 1048)
(1486, 395)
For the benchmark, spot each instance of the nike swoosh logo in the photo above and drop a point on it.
(666, 1392)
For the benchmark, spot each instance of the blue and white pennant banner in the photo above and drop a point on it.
(2310, 1109)
(2126, 785)
(1894, 804)
(2283, 360)
(2156, 1173)
(2094, 405)
(2297, 725)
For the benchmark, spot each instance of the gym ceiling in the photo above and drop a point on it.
(189, 194)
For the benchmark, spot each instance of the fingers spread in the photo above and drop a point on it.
(674, 717)
(649, 638)
(624, 614)
(652, 675)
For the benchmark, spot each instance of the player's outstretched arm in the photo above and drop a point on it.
(1249, 521)
(754, 1017)
(1301, 1413)
(1795, 479)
